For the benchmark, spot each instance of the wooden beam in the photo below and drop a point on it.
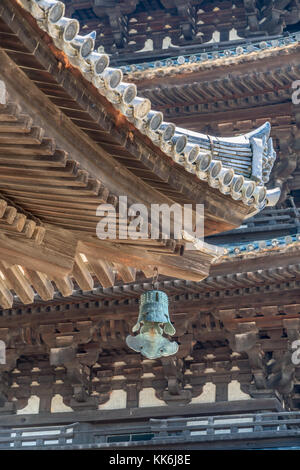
(148, 271)
(126, 273)
(260, 261)
(6, 297)
(109, 416)
(16, 281)
(82, 275)
(54, 256)
(103, 270)
(64, 285)
(192, 265)
(40, 283)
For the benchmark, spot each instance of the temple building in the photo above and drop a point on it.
(124, 123)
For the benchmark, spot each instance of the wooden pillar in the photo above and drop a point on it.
(221, 383)
(132, 400)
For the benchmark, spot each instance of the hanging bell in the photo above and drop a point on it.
(153, 321)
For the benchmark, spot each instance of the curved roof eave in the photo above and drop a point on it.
(238, 167)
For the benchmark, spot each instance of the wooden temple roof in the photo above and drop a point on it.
(227, 90)
(73, 136)
(257, 81)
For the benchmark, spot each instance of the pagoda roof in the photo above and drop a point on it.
(179, 144)
(118, 143)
